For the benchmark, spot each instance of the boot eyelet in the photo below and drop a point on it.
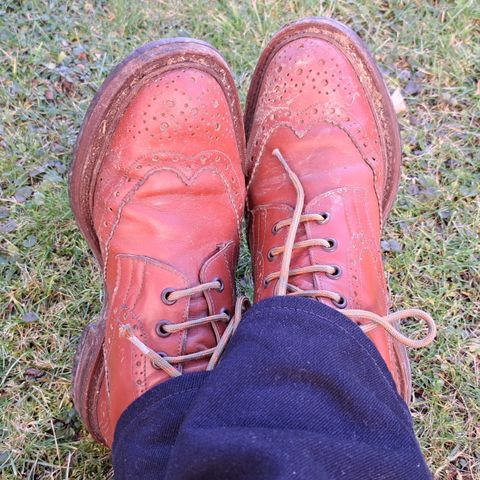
(221, 287)
(270, 256)
(326, 218)
(336, 274)
(332, 245)
(340, 304)
(165, 295)
(275, 228)
(226, 311)
(265, 283)
(152, 363)
(160, 331)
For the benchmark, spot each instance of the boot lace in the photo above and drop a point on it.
(388, 322)
(164, 362)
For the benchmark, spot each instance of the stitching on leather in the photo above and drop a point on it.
(371, 248)
(206, 63)
(300, 133)
(358, 60)
(162, 266)
(187, 180)
(228, 266)
(181, 157)
(263, 211)
(106, 345)
(108, 200)
(222, 253)
(138, 322)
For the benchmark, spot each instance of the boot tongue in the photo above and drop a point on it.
(201, 337)
(215, 267)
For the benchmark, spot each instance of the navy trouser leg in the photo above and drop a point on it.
(300, 392)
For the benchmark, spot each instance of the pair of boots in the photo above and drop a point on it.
(158, 187)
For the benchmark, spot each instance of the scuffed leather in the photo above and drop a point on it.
(167, 211)
(312, 106)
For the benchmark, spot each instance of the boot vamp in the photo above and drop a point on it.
(167, 212)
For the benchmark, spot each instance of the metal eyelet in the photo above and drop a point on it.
(270, 256)
(336, 274)
(165, 295)
(265, 283)
(159, 330)
(341, 304)
(221, 288)
(275, 229)
(326, 218)
(226, 311)
(332, 245)
(152, 363)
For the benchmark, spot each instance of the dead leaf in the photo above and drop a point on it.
(9, 226)
(398, 101)
(33, 373)
(477, 92)
(49, 95)
(23, 194)
(29, 317)
(66, 86)
(413, 87)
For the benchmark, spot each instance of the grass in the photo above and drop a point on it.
(53, 57)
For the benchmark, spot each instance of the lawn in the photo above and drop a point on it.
(53, 57)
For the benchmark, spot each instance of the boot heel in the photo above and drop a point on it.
(88, 375)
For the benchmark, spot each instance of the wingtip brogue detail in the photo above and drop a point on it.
(157, 187)
(323, 165)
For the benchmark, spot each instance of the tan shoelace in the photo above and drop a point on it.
(170, 296)
(388, 322)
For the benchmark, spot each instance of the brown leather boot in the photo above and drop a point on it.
(323, 158)
(158, 191)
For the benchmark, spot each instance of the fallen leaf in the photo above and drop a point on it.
(395, 246)
(445, 214)
(29, 317)
(404, 75)
(413, 189)
(430, 193)
(413, 88)
(36, 171)
(49, 95)
(23, 193)
(33, 373)
(449, 99)
(398, 102)
(66, 86)
(385, 246)
(8, 226)
(477, 92)
(61, 57)
(390, 246)
(30, 241)
(38, 198)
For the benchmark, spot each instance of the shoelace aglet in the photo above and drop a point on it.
(127, 332)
